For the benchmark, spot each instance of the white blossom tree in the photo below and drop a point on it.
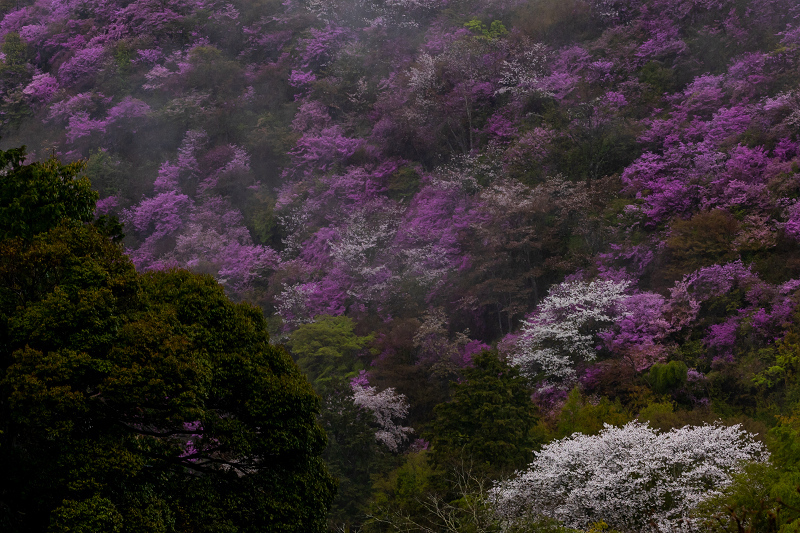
(388, 407)
(632, 477)
(563, 328)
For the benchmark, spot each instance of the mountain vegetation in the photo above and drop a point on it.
(540, 260)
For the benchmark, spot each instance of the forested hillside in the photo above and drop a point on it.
(483, 229)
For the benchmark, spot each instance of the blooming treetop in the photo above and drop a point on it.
(632, 477)
(387, 406)
(562, 329)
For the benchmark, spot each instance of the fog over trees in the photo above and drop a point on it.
(529, 265)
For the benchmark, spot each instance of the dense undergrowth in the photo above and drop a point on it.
(603, 192)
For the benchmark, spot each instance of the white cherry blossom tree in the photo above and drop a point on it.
(632, 477)
(388, 407)
(563, 328)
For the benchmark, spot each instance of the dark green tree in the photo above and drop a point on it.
(15, 73)
(143, 403)
(353, 455)
(489, 421)
(578, 415)
(38, 196)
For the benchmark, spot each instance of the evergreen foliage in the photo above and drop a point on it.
(37, 196)
(142, 402)
(488, 421)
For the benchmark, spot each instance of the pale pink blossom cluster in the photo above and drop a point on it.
(388, 407)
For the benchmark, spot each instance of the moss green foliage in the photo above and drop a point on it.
(132, 403)
(402, 490)
(404, 184)
(14, 73)
(95, 515)
(581, 415)
(703, 240)
(663, 416)
(16, 52)
(107, 174)
(495, 30)
(781, 365)
(657, 76)
(668, 376)
(327, 347)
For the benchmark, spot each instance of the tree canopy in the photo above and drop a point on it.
(150, 402)
(37, 196)
(327, 347)
(489, 420)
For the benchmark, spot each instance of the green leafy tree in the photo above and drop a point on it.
(406, 501)
(36, 197)
(402, 493)
(142, 403)
(581, 416)
(665, 377)
(95, 514)
(15, 73)
(489, 421)
(495, 30)
(327, 347)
